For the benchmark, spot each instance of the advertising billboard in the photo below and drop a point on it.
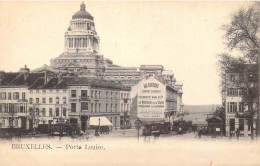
(151, 100)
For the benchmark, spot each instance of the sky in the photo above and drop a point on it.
(184, 37)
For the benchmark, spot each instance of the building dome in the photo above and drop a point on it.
(82, 13)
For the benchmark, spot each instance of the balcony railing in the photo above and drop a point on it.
(245, 114)
(87, 98)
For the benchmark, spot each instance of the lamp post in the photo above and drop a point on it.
(138, 127)
(99, 125)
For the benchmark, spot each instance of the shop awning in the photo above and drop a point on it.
(100, 120)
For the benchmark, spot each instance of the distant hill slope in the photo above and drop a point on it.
(200, 108)
(198, 113)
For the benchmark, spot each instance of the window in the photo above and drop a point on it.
(106, 107)
(121, 107)
(235, 92)
(37, 111)
(30, 101)
(16, 122)
(111, 108)
(64, 111)
(115, 107)
(99, 107)
(84, 93)
(84, 106)
(64, 100)
(57, 111)
(106, 94)
(73, 107)
(50, 100)
(92, 94)
(241, 106)
(121, 95)
(92, 107)
(3, 122)
(50, 112)
(111, 95)
(127, 107)
(37, 100)
(21, 109)
(73, 93)
(43, 100)
(23, 95)
(232, 77)
(9, 96)
(3, 95)
(16, 96)
(232, 124)
(95, 94)
(99, 94)
(230, 92)
(57, 100)
(64, 91)
(43, 112)
(43, 91)
(96, 109)
(116, 95)
(232, 107)
(241, 124)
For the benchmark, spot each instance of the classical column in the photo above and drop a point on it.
(82, 42)
(88, 41)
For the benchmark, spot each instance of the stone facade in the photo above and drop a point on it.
(237, 106)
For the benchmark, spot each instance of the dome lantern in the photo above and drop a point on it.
(82, 13)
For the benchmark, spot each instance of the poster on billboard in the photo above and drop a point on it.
(151, 99)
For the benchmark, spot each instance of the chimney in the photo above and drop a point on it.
(45, 77)
(24, 70)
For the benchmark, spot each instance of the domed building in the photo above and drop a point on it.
(81, 47)
(81, 56)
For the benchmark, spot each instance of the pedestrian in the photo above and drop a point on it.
(199, 133)
(237, 134)
(196, 133)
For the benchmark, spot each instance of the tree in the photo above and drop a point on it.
(244, 31)
(243, 34)
(220, 112)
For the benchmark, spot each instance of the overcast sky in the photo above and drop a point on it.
(184, 37)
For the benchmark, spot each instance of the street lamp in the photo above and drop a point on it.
(99, 125)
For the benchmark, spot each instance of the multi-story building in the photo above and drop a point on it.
(48, 101)
(92, 98)
(125, 107)
(31, 99)
(239, 101)
(14, 98)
